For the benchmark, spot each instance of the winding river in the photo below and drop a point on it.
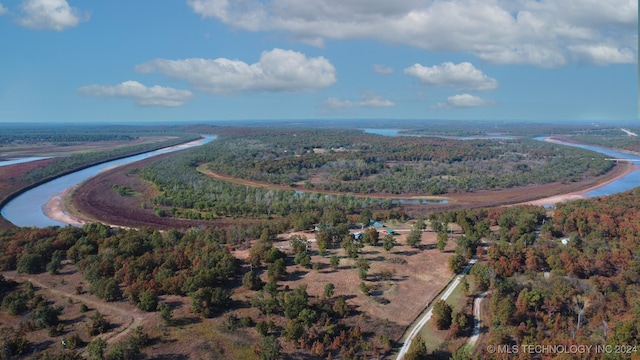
(628, 182)
(29, 208)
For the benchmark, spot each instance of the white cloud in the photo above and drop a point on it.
(463, 101)
(463, 76)
(603, 54)
(369, 100)
(381, 69)
(140, 94)
(49, 14)
(277, 70)
(538, 32)
(3, 10)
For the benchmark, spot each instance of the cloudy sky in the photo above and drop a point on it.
(196, 60)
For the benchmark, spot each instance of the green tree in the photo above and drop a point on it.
(414, 237)
(295, 301)
(208, 301)
(277, 269)
(328, 290)
(388, 242)
(465, 286)
(54, 265)
(365, 217)
(98, 324)
(417, 350)
(350, 246)
(341, 307)
(371, 236)
(29, 263)
(12, 342)
(148, 300)
(457, 262)
(303, 259)
(96, 349)
(308, 317)
(298, 243)
(294, 330)
(166, 314)
(252, 281)
(270, 348)
(262, 328)
(481, 276)
(334, 261)
(363, 268)
(442, 240)
(442, 313)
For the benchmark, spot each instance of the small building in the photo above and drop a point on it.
(375, 224)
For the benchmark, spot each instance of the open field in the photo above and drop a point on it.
(417, 276)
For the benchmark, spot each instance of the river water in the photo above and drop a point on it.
(628, 182)
(28, 209)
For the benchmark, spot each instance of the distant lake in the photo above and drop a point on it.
(383, 132)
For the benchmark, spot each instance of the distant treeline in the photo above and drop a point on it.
(6, 139)
(619, 141)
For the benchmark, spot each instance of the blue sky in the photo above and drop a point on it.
(198, 60)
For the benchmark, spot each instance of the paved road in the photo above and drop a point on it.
(427, 316)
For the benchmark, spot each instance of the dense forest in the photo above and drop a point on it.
(569, 279)
(363, 163)
(349, 162)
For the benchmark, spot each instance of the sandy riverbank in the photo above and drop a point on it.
(54, 209)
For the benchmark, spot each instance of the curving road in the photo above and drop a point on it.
(477, 319)
(427, 316)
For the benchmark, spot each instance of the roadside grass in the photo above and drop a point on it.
(436, 339)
